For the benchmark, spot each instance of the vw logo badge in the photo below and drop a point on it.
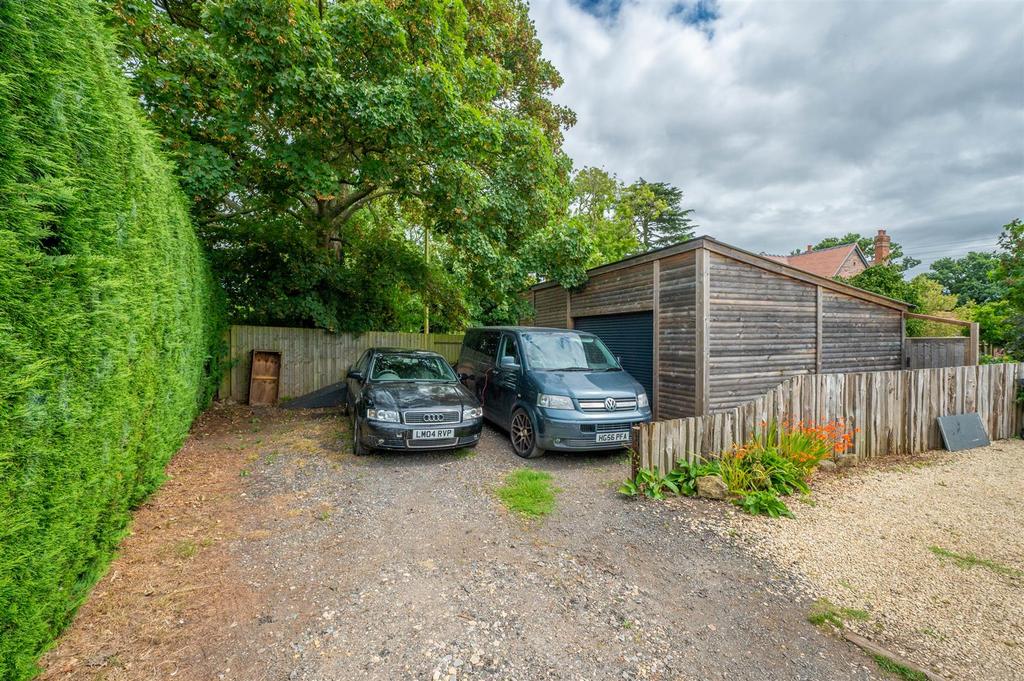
(433, 418)
(609, 403)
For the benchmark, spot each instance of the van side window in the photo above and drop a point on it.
(489, 344)
(509, 349)
(472, 340)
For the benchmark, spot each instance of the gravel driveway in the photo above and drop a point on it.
(929, 548)
(274, 553)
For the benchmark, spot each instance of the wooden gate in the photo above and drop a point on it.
(936, 353)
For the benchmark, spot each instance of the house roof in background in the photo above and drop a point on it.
(825, 262)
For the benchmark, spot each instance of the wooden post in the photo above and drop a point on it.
(903, 341)
(656, 387)
(701, 345)
(972, 346)
(818, 332)
(568, 309)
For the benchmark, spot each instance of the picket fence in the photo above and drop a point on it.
(894, 412)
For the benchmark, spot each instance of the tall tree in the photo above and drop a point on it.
(290, 118)
(867, 245)
(970, 278)
(595, 207)
(1010, 273)
(656, 212)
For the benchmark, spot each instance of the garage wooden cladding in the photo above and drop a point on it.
(729, 324)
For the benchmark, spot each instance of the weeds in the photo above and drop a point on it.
(764, 503)
(968, 560)
(185, 549)
(528, 492)
(649, 482)
(895, 668)
(825, 612)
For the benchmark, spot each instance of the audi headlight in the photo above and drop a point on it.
(470, 413)
(641, 401)
(554, 401)
(385, 415)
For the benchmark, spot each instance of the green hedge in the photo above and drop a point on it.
(109, 317)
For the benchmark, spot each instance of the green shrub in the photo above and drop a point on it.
(649, 482)
(108, 317)
(764, 503)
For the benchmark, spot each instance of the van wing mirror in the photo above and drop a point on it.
(508, 363)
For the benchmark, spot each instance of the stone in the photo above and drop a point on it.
(845, 460)
(711, 487)
(827, 466)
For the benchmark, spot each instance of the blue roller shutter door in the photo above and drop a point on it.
(630, 337)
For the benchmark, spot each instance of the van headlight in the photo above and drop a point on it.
(470, 413)
(385, 415)
(641, 401)
(554, 401)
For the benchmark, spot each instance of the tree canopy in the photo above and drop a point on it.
(971, 278)
(621, 219)
(320, 141)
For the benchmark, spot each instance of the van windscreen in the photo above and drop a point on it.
(567, 351)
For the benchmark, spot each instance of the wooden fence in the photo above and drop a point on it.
(929, 353)
(313, 358)
(895, 412)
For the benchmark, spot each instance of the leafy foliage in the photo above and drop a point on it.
(685, 475)
(650, 483)
(622, 220)
(656, 213)
(109, 324)
(320, 141)
(970, 278)
(1010, 273)
(764, 503)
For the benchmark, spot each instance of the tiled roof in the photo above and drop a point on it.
(825, 262)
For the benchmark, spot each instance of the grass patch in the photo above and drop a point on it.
(825, 612)
(185, 549)
(967, 560)
(528, 492)
(896, 669)
(465, 453)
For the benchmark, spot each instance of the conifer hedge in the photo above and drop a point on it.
(108, 317)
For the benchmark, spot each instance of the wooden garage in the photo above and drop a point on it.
(727, 324)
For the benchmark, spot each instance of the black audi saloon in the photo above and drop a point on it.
(409, 399)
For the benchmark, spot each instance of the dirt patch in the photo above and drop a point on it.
(311, 563)
(928, 548)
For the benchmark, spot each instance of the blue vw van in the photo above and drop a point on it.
(551, 388)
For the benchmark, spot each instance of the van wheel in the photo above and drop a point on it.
(523, 436)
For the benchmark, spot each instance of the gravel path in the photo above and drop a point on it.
(867, 544)
(315, 564)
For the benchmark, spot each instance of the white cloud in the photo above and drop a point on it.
(798, 120)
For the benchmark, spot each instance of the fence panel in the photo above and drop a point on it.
(313, 358)
(895, 412)
(935, 353)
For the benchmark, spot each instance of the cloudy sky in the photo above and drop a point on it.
(787, 121)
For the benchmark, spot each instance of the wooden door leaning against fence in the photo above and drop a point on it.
(264, 377)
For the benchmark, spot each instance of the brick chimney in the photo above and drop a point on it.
(809, 248)
(881, 248)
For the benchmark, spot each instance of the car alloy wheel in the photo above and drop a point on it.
(524, 439)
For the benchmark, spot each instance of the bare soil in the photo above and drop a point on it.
(274, 553)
